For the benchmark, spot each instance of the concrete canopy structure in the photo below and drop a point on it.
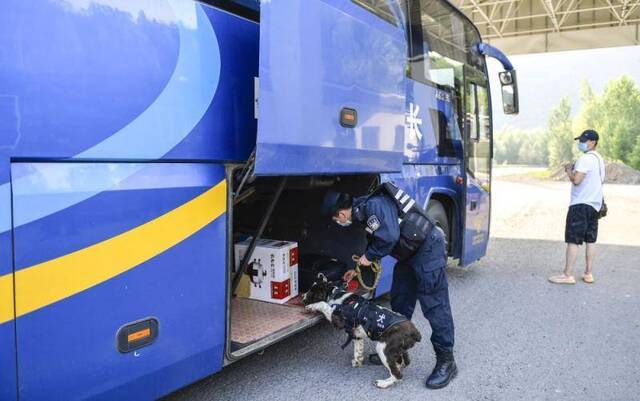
(536, 26)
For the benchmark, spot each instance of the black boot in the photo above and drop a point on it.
(444, 371)
(374, 359)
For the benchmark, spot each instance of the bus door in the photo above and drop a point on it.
(477, 166)
(331, 95)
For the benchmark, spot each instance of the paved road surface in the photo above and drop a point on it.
(518, 337)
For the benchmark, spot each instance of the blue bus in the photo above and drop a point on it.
(140, 140)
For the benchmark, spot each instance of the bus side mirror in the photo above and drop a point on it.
(509, 92)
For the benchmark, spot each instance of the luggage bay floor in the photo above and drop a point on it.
(252, 320)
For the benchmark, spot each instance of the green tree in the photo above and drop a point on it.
(507, 146)
(515, 146)
(615, 115)
(634, 158)
(560, 134)
(534, 148)
(591, 114)
(618, 120)
(499, 152)
(512, 144)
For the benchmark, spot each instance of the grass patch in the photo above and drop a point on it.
(541, 175)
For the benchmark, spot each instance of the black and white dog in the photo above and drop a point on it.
(393, 334)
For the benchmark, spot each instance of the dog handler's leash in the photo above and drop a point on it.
(375, 268)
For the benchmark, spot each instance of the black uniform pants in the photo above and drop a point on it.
(423, 278)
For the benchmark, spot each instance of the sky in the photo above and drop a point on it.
(544, 78)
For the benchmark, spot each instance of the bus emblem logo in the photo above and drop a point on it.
(413, 121)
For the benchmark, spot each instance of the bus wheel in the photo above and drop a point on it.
(437, 212)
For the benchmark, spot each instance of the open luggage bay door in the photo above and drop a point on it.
(331, 87)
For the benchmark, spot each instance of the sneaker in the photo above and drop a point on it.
(588, 278)
(562, 279)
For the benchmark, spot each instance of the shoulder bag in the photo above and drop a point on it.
(603, 209)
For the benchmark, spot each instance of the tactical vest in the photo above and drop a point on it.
(375, 320)
(415, 225)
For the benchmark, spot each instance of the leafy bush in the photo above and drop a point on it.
(615, 115)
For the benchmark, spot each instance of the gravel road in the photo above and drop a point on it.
(518, 337)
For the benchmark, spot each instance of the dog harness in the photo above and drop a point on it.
(374, 319)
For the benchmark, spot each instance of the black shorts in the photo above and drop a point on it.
(582, 224)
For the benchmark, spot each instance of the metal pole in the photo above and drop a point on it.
(258, 234)
(246, 172)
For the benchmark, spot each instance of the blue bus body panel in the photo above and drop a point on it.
(127, 80)
(146, 264)
(421, 142)
(114, 86)
(316, 57)
(89, 111)
(477, 214)
(227, 130)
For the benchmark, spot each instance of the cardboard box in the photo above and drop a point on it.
(272, 271)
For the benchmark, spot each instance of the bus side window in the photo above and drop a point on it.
(471, 111)
(252, 4)
(249, 9)
(380, 8)
(442, 129)
(484, 119)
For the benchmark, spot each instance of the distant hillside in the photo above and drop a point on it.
(616, 173)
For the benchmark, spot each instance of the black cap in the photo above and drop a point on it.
(588, 135)
(334, 201)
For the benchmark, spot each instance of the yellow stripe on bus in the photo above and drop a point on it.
(51, 281)
(6, 298)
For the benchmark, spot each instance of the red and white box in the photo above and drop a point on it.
(272, 270)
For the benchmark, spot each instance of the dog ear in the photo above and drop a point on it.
(337, 321)
(322, 277)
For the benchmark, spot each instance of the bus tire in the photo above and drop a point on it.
(437, 212)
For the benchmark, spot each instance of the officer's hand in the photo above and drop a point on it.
(349, 275)
(363, 261)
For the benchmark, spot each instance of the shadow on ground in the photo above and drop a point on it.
(518, 337)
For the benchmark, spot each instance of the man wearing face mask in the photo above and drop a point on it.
(586, 178)
(397, 226)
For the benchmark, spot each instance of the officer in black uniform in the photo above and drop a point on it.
(397, 226)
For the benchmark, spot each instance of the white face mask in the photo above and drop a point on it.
(343, 224)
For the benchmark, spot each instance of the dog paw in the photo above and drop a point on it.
(356, 363)
(386, 383)
(383, 383)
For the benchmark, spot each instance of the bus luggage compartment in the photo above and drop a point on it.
(322, 244)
